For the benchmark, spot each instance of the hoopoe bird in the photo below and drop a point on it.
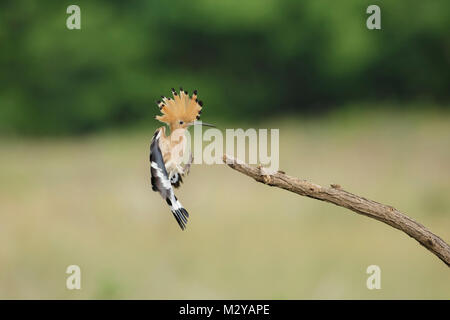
(167, 152)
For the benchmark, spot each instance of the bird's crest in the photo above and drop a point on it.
(180, 107)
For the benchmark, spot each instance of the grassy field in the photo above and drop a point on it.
(87, 201)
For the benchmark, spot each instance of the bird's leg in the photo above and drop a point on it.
(170, 168)
(187, 166)
(180, 169)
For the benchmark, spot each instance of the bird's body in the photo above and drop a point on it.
(167, 151)
(173, 148)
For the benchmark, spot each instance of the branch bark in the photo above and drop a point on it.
(336, 195)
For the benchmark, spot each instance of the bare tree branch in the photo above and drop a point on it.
(336, 195)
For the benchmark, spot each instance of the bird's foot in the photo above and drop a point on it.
(180, 170)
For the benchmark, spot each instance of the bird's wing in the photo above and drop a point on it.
(161, 182)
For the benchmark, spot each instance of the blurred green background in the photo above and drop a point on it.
(368, 109)
(248, 59)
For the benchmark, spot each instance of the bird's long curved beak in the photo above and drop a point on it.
(201, 123)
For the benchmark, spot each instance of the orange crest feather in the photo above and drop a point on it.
(181, 107)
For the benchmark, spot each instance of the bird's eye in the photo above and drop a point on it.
(181, 122)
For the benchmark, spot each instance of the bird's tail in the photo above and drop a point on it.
(180, 213)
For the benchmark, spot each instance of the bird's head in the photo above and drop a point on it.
(181, 111)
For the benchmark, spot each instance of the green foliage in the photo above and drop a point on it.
(248, 58)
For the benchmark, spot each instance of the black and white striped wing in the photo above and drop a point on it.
(159, 177)
(161, 182)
